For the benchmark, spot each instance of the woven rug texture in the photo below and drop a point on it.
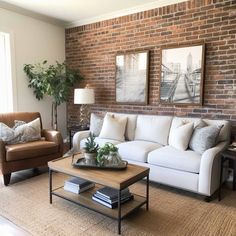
(171, 212)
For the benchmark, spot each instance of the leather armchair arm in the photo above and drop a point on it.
(2, 151)
(53, 136)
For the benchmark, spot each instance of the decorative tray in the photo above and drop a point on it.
(81, 163)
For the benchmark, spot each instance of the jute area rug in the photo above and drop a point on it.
(172, 212)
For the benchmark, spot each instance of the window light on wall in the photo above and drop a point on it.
(6, 98)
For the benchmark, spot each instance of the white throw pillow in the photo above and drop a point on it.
(113, 128)
(180, 136)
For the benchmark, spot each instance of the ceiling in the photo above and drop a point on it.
(71, 13)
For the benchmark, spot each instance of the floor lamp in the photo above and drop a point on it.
(84, 97)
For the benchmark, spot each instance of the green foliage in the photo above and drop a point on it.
(53, 80)
(90, 145)
(104, 151)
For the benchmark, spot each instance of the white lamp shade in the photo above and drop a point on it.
(84, 96)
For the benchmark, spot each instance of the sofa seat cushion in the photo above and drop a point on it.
(99, 141)
(30, 150)
(137, 150)
(173, 158)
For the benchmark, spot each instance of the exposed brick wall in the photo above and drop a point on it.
(92, 49)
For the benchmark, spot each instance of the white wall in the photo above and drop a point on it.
(33, 42)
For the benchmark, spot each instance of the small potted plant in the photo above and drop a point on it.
(90, 149)
(108, 155)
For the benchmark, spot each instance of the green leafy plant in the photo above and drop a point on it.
(90, 145)
(53, 80)
(104, 151)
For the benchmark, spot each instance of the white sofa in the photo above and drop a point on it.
(147, 144)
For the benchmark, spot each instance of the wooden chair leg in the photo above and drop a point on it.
(6, 179)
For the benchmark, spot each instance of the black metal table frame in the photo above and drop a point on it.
(224, 158)
(118, 218)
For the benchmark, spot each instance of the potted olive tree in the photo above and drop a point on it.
(90, 149)
(53, 80)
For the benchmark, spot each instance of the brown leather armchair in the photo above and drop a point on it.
(21, 156)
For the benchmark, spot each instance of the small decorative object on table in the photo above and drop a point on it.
(107, 158)
(108, 155)
(91, 149)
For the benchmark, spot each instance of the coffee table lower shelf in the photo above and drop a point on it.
(85, 199)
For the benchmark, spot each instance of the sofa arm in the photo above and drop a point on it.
(2, 151)
(53, 136)
(209, 175)
(78, 137)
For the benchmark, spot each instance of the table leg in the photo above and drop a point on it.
(221, 173)
(119, 211)
(147, 192)
(50, 186)
(234, 180)
(70, 139)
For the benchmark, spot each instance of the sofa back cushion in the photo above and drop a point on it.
(153, 128)
(130, 126)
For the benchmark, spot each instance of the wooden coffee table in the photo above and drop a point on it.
(117, 179)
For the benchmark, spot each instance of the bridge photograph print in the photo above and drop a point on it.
(132, 77)
(182, 74)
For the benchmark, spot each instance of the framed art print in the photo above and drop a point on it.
(182, 74)
(132, 77)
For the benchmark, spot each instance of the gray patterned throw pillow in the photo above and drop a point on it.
(204, 138)
(22, 132)
(18, 123)
(96, 123)
(6, 133)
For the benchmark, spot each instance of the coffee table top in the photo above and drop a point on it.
(118, 179)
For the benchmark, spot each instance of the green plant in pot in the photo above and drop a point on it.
(108, 155)
(55, 81)
(91, 149)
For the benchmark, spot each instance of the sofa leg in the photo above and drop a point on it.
(6, 179)
(208, 199)
(36, 171)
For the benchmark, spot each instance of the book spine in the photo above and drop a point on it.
(111, 200)
(113, 205)
(123, 192)
(77, 185)
(77, 190)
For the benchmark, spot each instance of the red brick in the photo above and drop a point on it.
(92, 49)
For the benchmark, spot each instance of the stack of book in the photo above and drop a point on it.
(77, 185)
(109, 196)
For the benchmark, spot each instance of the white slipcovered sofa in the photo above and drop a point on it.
(146, 143)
